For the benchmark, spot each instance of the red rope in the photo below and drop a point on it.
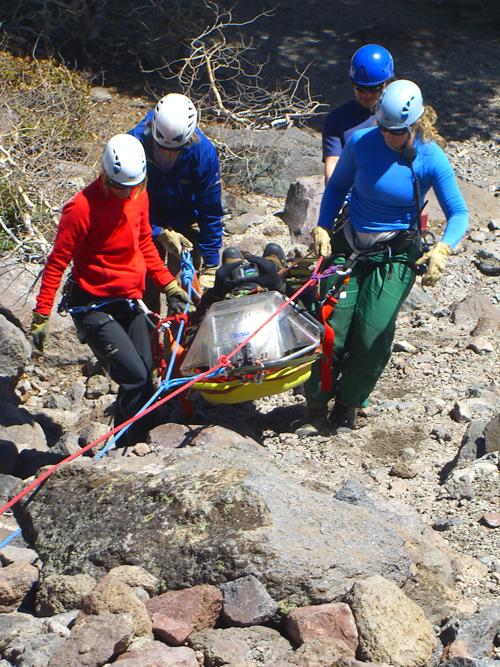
(223, 362)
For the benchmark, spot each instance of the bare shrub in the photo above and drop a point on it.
(43, 113)
(99, 34)
(221, 72)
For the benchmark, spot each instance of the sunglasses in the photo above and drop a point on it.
(369, 89)
(397, 133)
(177, 149)
(119, 186)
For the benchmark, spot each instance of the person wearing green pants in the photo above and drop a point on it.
(364, 322)
(385, 171)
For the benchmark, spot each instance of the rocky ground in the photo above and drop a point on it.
(420, 445)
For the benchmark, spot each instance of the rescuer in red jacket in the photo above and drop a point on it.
(105, 231)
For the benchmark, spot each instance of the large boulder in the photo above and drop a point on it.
(213, 514)
(18, 287)
(14, 355)
(270, 159)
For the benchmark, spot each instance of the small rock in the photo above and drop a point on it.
(306, 431)
(247, 602)
(441, 434)
(461, 412)
(446, 523)
(404, 346)
(141, 449)
(97, 386)
(134, 576)
(98, 94)
(12, 554)
(241, 223)
(403, 470)
(491, 519)
(481, 346)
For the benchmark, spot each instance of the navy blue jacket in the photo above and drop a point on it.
(190, 191)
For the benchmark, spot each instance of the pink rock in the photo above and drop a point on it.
(491, 519)
(168, 436)
(325, 620)
(159, 655)
(176, 614)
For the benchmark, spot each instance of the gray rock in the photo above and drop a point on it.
(352, 492)
(418, 298)
(17, 298)
(274, 158)
(97, 385)
(235, 205)
(239, 224)
(246, 602)
(95, 641)
(492, 435)
(35, 651)
(478, 632)
(15, 353)
(12, 554)
(472, 446)
(446, 523)
(57, 401)
(302, 205)
(67, 444)
(25, 435)
(9, 485)
(235, 512)
(472, 307)
(241, 646)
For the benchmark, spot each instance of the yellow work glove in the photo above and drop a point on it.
(322, 242)
(39, 329)
(435, 259)
(177, 298)
(174, 242)
(207, 277)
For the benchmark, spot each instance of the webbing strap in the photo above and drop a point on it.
(326, 362)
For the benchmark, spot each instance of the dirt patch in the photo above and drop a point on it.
(387, 445)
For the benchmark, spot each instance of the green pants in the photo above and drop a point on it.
(363, 321)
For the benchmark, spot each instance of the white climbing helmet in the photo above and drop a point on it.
(124, 161)
(174, 121)
(400, 105)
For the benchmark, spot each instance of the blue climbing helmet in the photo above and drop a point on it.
(371, 65)
(400, 105)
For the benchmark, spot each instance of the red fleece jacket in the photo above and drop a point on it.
(109, 241)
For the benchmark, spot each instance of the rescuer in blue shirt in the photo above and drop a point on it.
(387, 169)
(371, 69)
(184, 184)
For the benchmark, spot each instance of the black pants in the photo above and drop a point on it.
(120, 337)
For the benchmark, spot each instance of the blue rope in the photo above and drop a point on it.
(9, 538)
(187, 275)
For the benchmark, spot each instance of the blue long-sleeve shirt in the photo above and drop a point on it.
(383, 197)
(190, 190)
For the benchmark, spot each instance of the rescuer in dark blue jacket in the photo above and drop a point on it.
(184, 188)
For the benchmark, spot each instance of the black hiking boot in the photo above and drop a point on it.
(342, 417)
(276, 254)
(313, 419)
(232, 254)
